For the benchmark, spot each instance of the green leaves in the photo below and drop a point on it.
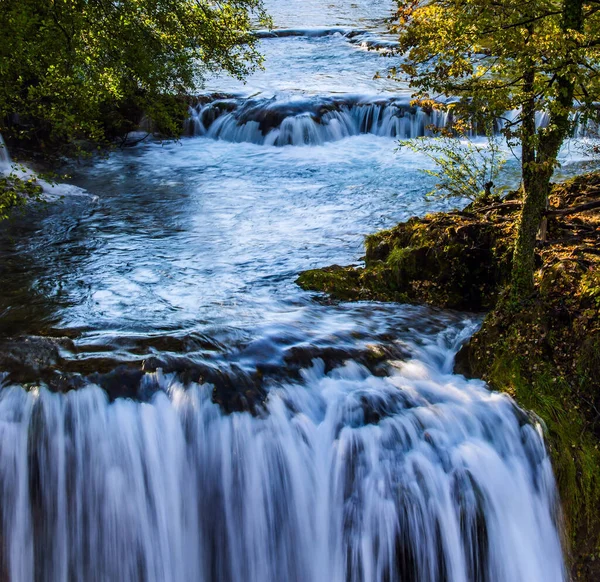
(479, 50)
(465, 169)
(16, 191)
(89, 69)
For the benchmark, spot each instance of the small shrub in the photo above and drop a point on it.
(465, 169)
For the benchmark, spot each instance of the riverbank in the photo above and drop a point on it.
(545, 353)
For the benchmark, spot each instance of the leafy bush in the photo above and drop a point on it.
(16, 191)
(464, 168)
(88, 70)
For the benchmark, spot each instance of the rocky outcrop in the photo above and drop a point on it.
(456, 260)
(25, 358)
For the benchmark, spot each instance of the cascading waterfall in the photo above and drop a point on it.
(391, 471)
(281, 122)
(301, 122)
(418, 476)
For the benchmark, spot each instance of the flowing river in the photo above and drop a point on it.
(210, 421)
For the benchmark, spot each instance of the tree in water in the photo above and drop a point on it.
(537, 58)
(87, 70)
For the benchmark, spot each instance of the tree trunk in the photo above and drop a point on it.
(535, 192)
(540, 153)
(535, 198)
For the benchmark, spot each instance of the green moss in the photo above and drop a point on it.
(588, 361)
(340, 282)
(574, 450)
(453, 261)
(403, 263)
(546, 354)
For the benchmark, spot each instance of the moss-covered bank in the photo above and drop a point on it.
(545, 351)
(458, 260)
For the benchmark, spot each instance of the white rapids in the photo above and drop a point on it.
(419, 476)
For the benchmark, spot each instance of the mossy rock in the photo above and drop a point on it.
(340, 282)
(455, 261)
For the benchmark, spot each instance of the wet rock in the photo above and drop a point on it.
(122, 382)
(462, 362)
(26, 358)
(380, 251)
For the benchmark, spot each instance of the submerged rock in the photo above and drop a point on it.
(25, 358)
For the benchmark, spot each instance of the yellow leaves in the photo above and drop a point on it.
(479, 50)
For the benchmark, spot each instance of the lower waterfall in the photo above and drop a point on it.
(345, 476)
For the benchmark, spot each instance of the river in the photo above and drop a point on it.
(268, 434)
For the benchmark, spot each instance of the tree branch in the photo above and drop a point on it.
(574, 209)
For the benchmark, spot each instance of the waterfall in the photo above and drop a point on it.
(5, 161)
(282, 122)
(419, 476)
(303, 121)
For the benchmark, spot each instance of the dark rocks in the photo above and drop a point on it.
(122, 382)
(462, 362)
(26, 358)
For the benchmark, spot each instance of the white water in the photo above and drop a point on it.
(296, 121)
(420, 476)
(291, 120)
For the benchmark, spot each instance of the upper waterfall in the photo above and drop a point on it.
(309, 120)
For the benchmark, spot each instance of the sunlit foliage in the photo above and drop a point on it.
(16, 191)
(88, 69)
(464, 168)
(539, 59)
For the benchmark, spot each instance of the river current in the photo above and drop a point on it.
(224, 425)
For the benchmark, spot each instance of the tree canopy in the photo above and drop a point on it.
(87, 69)
(537, 58)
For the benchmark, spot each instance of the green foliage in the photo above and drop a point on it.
(535, 58)
(483, 51)
(464, 168)
(16, 191)
(89, 69)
